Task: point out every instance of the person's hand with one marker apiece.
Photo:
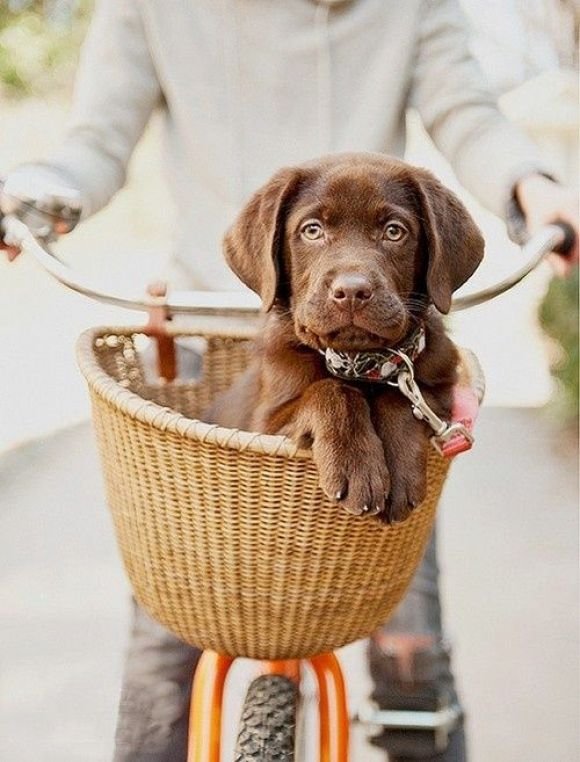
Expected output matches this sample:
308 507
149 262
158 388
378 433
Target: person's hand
11 251
544 202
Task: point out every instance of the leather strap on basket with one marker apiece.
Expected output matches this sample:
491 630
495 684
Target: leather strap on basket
156 328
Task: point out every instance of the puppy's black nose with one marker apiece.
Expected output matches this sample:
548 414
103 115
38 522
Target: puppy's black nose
351 291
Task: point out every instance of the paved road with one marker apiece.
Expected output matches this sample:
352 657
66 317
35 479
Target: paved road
509 542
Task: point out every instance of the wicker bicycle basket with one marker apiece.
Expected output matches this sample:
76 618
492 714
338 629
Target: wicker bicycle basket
225 535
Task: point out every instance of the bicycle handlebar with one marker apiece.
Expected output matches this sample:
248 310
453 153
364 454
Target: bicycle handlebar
219 303
556 237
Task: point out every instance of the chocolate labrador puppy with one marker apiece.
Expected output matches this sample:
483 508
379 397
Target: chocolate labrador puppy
352 253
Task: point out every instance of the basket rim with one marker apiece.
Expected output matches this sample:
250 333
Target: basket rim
164 418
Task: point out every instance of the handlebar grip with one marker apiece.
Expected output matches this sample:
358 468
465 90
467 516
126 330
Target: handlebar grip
569 238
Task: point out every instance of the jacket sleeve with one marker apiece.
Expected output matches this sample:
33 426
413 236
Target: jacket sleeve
489 153
115 92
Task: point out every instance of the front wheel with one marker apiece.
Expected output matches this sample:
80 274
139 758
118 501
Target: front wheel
268 723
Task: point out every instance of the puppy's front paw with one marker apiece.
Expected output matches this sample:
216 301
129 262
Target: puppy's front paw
354 474
408 490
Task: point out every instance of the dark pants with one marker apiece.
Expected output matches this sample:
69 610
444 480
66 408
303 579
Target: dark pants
424 681
153 711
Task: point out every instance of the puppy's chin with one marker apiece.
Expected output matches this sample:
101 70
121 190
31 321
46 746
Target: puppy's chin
350 338
320 324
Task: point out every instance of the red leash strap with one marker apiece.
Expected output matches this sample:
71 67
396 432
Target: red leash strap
464 412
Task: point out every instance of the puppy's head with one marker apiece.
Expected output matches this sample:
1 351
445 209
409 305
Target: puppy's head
356 246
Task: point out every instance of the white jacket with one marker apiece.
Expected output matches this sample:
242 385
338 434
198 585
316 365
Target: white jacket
247 86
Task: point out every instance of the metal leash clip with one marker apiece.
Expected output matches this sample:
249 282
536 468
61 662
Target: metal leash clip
448 438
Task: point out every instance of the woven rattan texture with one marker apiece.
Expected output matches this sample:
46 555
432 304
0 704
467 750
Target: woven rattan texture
226 537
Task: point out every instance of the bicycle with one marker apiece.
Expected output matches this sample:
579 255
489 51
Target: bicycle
189 547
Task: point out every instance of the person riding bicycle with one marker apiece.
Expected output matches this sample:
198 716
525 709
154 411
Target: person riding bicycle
244 88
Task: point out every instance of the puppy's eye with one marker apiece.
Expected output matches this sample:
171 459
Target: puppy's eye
393 231
312 230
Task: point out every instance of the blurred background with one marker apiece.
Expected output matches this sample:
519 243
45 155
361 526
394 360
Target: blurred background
509 531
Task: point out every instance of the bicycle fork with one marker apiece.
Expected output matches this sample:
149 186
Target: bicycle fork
205 724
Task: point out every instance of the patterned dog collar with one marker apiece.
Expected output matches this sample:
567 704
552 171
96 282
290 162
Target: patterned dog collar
375 366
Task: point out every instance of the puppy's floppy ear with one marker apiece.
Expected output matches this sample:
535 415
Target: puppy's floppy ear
253 245
454 243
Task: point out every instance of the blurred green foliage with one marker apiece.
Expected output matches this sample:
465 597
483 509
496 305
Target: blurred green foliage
559 317
39 43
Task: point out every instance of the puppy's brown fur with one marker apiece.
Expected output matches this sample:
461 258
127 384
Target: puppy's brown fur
350 251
